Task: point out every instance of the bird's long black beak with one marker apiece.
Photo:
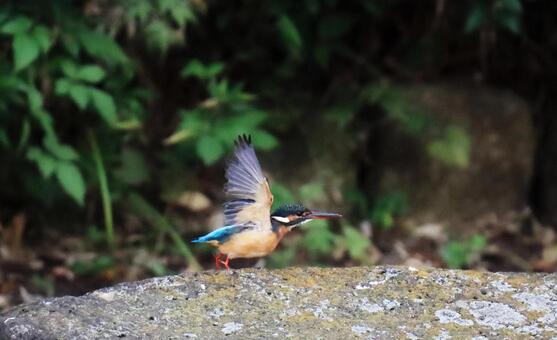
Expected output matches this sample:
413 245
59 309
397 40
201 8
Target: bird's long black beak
323 215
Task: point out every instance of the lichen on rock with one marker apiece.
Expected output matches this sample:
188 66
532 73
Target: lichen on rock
377 302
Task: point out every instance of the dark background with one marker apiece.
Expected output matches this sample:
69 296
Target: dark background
430 125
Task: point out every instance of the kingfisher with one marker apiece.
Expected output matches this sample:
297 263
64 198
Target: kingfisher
251 230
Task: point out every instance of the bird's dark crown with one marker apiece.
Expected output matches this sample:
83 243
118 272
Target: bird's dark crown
289 209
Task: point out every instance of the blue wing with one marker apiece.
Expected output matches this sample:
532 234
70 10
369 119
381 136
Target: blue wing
222 234
247 189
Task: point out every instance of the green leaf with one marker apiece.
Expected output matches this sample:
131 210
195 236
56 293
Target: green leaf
41 34
93 266
61 151
264 140
159 36
386 207
508 20
289 34
90 73
80 95
477 242
318 239
179 10
453 148
477 17
458 254
249 119
45 120
196 69
193 69
26 50
16 26
139 10
219 90
192 124
104 103
69 68
214 69
128 124
194 121
71 181
45 162
454 254
356 243
34 98
209 149
227 129
101 46
62 86
25 133
134 169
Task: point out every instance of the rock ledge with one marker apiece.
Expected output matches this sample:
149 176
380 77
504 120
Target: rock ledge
378 302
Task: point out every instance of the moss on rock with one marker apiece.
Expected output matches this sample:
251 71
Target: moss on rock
378 302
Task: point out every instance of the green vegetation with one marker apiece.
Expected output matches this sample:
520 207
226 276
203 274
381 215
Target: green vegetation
111 111
459 254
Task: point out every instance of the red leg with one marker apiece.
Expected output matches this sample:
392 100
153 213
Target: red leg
217 261
225 262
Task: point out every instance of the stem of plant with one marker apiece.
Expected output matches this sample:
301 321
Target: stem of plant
105 191
142 208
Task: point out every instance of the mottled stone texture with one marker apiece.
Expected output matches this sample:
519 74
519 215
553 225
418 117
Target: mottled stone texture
376 303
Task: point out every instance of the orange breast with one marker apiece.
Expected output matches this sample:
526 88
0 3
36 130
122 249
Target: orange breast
253 243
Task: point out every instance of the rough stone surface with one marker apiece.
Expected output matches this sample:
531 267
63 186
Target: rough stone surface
374 303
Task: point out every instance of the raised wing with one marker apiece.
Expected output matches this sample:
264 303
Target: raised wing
247 189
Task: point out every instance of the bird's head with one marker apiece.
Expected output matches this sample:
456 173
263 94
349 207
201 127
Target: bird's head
294 214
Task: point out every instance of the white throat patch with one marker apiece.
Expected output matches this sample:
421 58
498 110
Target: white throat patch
281 219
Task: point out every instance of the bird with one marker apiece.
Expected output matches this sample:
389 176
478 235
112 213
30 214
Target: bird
250 229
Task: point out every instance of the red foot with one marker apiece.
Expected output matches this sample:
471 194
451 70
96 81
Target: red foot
218 261
225 262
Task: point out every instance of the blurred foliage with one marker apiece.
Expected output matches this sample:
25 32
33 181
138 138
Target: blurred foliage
219 119
386 207
115 103
44 285
505 14
92 266
459 254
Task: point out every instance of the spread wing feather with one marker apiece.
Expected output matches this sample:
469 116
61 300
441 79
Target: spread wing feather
247 189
